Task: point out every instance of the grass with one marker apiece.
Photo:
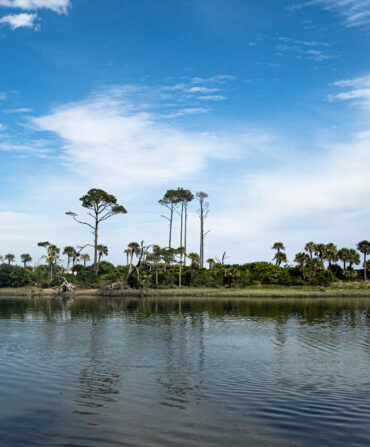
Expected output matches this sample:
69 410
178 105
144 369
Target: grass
337 290
250 292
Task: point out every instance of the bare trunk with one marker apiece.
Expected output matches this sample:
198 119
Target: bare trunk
181 241
201 254
132 257
171 222
68 262
96 244
185 230
156 277
365 267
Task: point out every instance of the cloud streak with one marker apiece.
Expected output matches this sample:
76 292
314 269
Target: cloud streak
59 6
354 12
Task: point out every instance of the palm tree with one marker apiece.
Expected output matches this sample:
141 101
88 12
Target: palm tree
102 251
52 257
85 257
155 258
134 248
364 248
313 266
127 252
279 246
9 257
1 260
353 258
343 255
69 251
25 259
211 262
195 260
75 258
319 251
331 253
310 248
169 256
302 259
280 257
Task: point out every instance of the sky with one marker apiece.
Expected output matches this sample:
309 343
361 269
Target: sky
263 104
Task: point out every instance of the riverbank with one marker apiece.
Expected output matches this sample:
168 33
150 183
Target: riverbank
339 290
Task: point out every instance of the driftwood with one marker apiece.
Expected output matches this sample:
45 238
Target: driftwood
65 287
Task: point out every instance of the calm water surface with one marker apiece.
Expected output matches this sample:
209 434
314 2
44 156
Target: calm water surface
191 373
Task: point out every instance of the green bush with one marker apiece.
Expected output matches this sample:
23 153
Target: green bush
14 276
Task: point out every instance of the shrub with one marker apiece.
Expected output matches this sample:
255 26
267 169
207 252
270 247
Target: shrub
13 276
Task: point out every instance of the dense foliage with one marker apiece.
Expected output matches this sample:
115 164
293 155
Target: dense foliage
218 276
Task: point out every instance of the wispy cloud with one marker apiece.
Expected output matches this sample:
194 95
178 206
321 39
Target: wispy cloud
353 12
104 135
18 110
22 20
187 111
59 6
200 89
212 98
302 49
355 89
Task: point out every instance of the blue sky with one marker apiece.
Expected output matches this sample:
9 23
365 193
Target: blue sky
263 104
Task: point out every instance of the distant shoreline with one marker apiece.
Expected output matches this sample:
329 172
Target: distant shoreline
250 292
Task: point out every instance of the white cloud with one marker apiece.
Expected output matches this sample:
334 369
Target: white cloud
23 20
59 6
113 141
353 12
357 89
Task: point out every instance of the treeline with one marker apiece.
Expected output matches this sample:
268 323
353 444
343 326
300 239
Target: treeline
155 266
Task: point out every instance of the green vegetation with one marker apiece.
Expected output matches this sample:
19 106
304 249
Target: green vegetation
161 268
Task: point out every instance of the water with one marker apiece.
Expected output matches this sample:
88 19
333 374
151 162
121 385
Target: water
118 372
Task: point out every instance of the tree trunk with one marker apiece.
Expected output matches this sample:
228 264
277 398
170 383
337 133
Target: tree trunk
171 223
96 245
365 267
132 257
185 229
201 254
156 277
180 273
